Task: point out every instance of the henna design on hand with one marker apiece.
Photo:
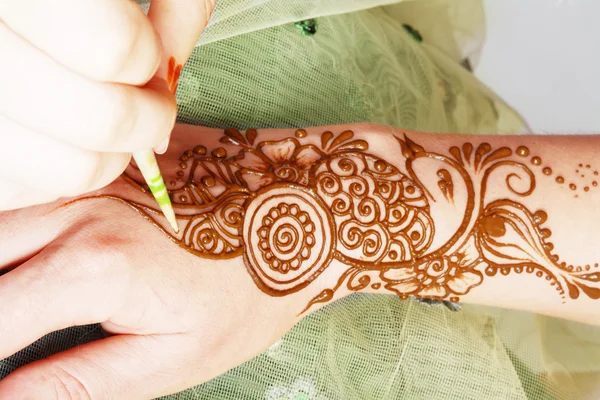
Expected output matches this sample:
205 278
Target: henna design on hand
290 207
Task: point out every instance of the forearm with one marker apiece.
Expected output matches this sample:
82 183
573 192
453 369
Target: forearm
531 203
371 208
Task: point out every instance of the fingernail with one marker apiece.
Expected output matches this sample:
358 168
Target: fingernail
173 74
162 148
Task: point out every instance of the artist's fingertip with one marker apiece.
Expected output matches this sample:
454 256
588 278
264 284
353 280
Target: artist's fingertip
162 148
110 167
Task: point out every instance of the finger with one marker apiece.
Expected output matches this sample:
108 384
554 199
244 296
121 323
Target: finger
87 114
15 195
179 24
56 289
118 367
39 162
107 40
24 232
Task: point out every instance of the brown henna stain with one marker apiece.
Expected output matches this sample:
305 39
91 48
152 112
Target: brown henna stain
289 208
594 184
523 151
173 74
493 226
573 186
445 184
199 150
547 171
536 161
251 136
300 133
586 189
467 149
560 179
219 152
482 150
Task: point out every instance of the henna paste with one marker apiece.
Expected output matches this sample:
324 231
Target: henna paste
290 207
522 151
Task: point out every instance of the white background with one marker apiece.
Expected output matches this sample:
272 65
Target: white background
543 58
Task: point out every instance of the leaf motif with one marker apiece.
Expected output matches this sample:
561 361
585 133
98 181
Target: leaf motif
406 151
409 148
251 135
233 136
325 138
341 138
573 290
510 236
445 184
593 293
416 148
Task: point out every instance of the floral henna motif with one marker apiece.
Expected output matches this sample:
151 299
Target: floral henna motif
290 207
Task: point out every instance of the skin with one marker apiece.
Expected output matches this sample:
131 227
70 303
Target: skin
179 319
111 65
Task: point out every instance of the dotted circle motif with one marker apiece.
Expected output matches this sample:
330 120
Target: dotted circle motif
289 237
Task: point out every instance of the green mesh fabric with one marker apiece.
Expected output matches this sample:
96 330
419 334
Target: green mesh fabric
360 66
254 67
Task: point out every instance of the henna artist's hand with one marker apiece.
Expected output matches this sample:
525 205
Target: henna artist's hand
82 85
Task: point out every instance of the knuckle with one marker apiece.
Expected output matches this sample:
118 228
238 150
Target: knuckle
118 112
119 48
83 174
103 258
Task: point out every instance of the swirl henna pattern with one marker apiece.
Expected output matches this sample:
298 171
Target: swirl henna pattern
290 208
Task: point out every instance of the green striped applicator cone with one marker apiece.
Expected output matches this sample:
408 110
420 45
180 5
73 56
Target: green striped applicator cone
146 162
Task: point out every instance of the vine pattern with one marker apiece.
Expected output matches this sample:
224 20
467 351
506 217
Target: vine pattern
290 207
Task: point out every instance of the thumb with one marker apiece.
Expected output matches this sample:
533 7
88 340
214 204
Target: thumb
179 23
119 367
